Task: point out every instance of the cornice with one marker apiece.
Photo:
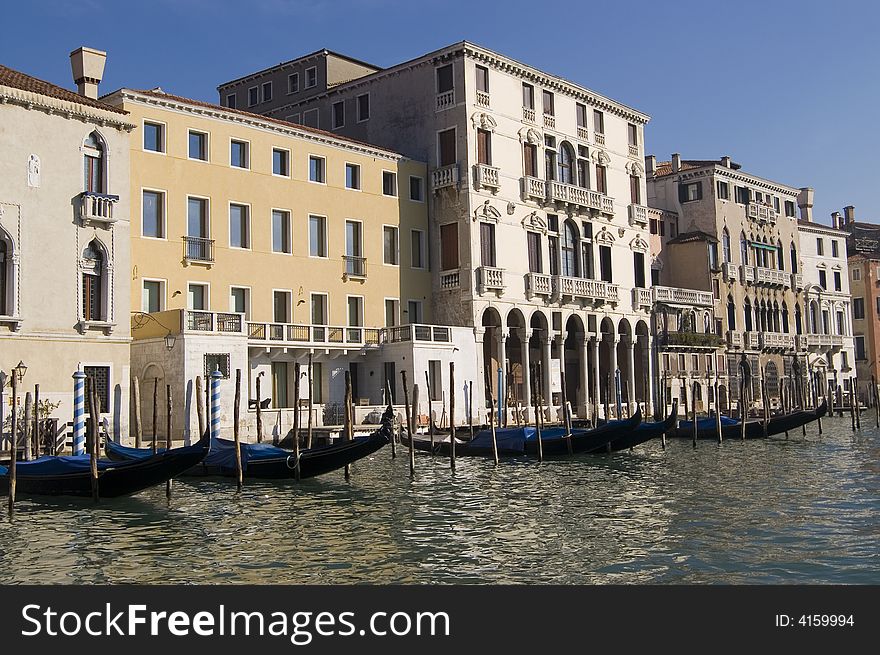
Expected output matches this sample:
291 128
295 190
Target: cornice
55 106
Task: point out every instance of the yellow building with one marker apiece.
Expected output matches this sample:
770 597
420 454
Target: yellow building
256 242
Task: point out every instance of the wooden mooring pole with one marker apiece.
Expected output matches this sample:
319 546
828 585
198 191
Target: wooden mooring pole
36 435
452 415
94 414
852 407
538 417
389 399
28 424
743 409
310 418
138 424
765 401
13 443
428 391
491 419
155 414
876 401
471 407
259 410
694 407
718 412
566 419
409 426
200 405
168 426
855 384
347 427
236 431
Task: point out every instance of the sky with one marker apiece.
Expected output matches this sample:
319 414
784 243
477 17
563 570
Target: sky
787 89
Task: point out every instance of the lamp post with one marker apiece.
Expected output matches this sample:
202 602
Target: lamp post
4 377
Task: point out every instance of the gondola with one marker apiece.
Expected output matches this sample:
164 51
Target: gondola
519 441
732 429
646 431
270 462
71 476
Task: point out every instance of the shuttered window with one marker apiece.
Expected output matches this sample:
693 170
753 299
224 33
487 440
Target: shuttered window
449 246
534 245
487 244
446 148
530 160
484 147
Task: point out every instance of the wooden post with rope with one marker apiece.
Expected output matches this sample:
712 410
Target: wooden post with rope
452 415
236 435
169 414
200 405
409 426
138 425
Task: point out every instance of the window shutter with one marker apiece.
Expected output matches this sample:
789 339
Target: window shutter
682 193
699 190
449 246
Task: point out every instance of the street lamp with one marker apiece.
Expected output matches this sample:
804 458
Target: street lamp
20 371
170 340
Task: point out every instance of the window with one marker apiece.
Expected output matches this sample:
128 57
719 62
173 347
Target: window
317 236
570 250
601 182
153 296
484 147
100 377
153 215
639 269
230 101
319 315
823 280
253 96
363 107
238 154
267 91
820 246
416 189
857 274
239 226
93 266
354 249
565 170
198 145
293 83
487 244
553 254
281 231
240 300
445 80
355 311
279 371
417 256
776 204
690 192
338 114
197 296
293 118
414 311
482 79
528 92
789 208
316 169
311 118
834 248
794 260
352 176
583 167
878 305
217 362
741 195
858 307
281 306
390 246
598 122
581 115
317 390
530 159
154 137
635 190
725 246
392 312
533 241
837 281
859 342
197 218
389 183
723 190
280 162
605 263
547 101
448 246
632 134
446 155
311 77
844 360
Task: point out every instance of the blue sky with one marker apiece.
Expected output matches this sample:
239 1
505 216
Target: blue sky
788 89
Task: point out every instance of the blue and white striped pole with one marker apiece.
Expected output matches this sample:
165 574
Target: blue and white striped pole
216 376
79 413
618 387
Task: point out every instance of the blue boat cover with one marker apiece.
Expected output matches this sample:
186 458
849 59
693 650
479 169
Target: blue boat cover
52 466
222 454
708 423
508 439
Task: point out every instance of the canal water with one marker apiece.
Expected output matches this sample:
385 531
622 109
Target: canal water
802 510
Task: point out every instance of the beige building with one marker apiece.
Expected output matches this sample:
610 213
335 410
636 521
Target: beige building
258 242
64 238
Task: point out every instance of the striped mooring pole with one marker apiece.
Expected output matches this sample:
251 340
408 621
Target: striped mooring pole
79 413
216 376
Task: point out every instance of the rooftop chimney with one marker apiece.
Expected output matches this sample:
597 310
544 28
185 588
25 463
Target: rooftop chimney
650 164
835 220
849 213
676 162
805 202
725 161
87 65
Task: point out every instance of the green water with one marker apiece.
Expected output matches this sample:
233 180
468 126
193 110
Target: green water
802 510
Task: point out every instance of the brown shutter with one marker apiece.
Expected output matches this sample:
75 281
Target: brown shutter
487 244
449 246
447 147
529 163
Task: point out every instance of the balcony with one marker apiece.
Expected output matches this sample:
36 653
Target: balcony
445 100
450 280
734 339
534 189
578 197
309 336
797 281
678 296
751 341
529 115
97 208
820 341
198 250
355 267
583 133
765 276
483 99
416 332
641 299
204 321
538 284
487 177
761 213
445 176
729 271
550 121
583 289
638 215
599 139
689 340
776 341
633 150
490 278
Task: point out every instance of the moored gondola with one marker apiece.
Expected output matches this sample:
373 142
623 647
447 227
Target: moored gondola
646 431
754 429
71 476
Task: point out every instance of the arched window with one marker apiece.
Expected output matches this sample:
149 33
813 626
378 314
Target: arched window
798 327
92 282
731 313
725 246
93 164
747 314
780 258
814 319
565 164
4 276
784 317
743 249
775 316
794 267
570 249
